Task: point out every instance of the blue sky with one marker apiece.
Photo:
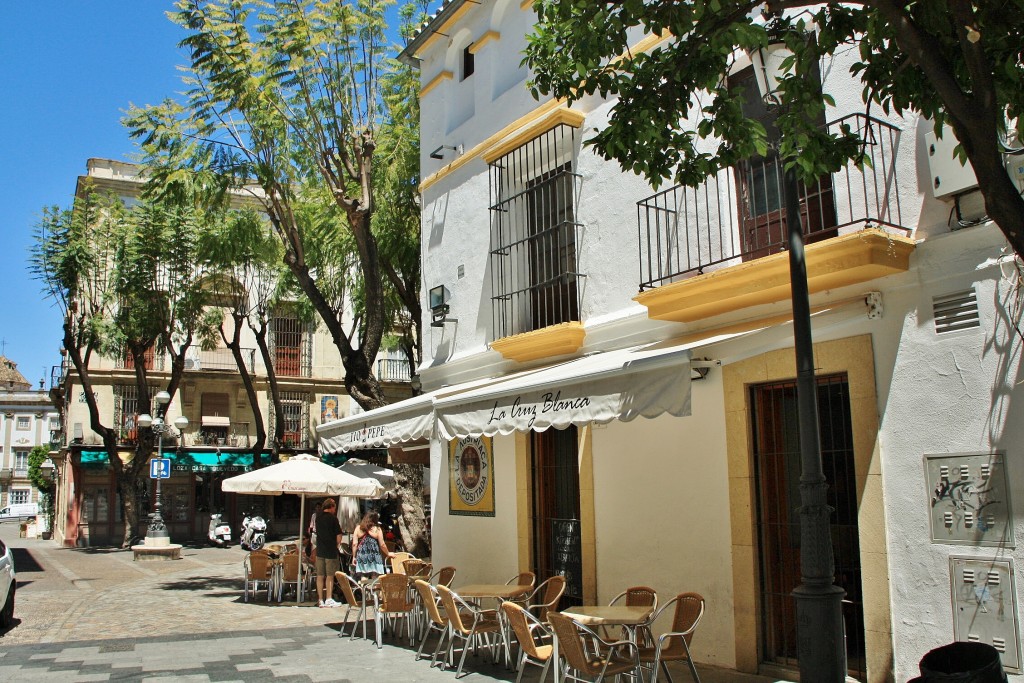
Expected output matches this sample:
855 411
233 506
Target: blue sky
69 70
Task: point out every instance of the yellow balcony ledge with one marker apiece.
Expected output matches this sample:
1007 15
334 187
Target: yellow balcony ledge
556 340
837 262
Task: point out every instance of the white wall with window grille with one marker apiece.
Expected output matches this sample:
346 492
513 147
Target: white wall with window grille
534 192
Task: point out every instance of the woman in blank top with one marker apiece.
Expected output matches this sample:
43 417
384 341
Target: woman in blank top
368 548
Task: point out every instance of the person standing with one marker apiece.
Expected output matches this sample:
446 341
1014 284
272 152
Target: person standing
328 558
369 551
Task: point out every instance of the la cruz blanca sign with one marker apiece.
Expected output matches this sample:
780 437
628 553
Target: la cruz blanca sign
550 406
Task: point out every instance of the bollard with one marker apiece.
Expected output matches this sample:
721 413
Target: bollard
962 663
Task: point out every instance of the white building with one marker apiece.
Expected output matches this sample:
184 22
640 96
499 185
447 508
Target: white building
27 420
530 249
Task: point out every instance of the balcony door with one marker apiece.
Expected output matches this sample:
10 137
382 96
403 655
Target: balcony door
759 182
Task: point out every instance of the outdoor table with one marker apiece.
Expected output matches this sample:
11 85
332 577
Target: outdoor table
606 615
499 592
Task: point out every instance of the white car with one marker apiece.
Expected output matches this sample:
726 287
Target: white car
8 583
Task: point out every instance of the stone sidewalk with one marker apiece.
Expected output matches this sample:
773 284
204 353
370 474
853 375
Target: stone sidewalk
96 615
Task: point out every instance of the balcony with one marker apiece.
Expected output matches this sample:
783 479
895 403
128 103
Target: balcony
393 370
237 436
219 359
719 247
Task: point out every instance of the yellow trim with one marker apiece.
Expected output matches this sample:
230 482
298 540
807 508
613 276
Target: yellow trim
526 4
568 117
524 501
483 40
854 357
435 81
554 340
441 30
837 262
489 142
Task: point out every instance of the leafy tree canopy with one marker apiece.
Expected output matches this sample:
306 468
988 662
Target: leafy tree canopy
952 61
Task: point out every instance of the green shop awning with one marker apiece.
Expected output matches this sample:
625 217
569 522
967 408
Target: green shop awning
188 461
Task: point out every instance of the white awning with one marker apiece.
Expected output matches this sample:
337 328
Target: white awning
216 421
615 385
406 420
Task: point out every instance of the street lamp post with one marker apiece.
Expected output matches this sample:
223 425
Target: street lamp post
157 532
821 642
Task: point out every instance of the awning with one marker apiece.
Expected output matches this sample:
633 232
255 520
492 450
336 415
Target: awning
187 461
408 420
216 421
615 385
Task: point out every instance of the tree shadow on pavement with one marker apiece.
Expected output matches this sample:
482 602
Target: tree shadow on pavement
201 584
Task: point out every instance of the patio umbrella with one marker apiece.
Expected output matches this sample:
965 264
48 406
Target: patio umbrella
303 475
366 470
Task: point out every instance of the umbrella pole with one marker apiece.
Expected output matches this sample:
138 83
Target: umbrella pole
302 519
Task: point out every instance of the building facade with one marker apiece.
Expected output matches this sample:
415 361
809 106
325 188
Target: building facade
610 374
221 431
28 420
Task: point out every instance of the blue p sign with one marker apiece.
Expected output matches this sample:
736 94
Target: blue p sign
160 468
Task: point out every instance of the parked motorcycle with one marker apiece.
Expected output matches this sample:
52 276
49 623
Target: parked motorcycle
254 532
220 531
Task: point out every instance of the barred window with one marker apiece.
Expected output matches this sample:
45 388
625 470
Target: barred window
126 410
291 344
534 270
295 406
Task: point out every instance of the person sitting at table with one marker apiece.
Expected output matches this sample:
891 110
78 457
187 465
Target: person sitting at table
368 548
328 558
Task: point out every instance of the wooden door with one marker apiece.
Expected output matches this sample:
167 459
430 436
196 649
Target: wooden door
557 539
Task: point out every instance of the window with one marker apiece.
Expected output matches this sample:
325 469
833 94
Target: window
20 496
54 424
24 423
760 187
468 63
295 406
126 409
21 463
534 271
291 346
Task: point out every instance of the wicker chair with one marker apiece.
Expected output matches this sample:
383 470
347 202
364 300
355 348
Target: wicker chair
398 561
523 579
290 575
443 577
257 568
349 586
481 624
391 601
637 596
532 648
581 652
545 597
436 621
674 645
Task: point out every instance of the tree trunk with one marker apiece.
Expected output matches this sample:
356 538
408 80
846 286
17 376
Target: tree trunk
412 519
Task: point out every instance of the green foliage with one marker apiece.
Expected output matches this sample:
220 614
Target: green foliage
36 457
676 119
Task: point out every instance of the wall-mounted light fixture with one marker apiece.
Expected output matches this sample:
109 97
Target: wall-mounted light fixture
438 301
439 152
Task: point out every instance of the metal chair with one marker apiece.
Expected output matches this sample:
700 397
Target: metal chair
443 577
289 574
523 579
398 561
581 652
482 624
674 645
349 586
436 621
637 596
532 648
544 597
257 568
391 601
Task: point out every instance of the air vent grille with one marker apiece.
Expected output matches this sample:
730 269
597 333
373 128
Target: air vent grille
958 311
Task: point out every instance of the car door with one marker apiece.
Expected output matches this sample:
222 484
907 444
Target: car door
6 573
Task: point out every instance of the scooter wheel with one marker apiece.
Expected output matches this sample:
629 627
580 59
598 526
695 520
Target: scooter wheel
256 544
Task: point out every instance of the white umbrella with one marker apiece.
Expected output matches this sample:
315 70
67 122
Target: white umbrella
304 475
366 470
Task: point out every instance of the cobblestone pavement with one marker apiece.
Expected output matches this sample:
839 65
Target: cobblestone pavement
96 615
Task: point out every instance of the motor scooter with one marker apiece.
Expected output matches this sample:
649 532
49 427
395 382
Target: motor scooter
254 532
220 532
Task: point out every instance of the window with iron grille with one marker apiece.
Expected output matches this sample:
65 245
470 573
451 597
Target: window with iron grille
291 345
295 406
534 273
126 409
151 359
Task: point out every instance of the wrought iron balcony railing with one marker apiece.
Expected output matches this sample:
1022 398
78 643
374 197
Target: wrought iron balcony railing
219 359
737 214
393 370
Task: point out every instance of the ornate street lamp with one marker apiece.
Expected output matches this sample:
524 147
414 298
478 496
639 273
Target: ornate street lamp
821 642
157 529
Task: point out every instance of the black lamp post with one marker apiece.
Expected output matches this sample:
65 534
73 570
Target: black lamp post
821 642
157 532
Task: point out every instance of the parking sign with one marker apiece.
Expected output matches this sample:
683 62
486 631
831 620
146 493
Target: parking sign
160 468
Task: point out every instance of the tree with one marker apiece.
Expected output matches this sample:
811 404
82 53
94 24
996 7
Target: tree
955 62
42 481
288 93
128 281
